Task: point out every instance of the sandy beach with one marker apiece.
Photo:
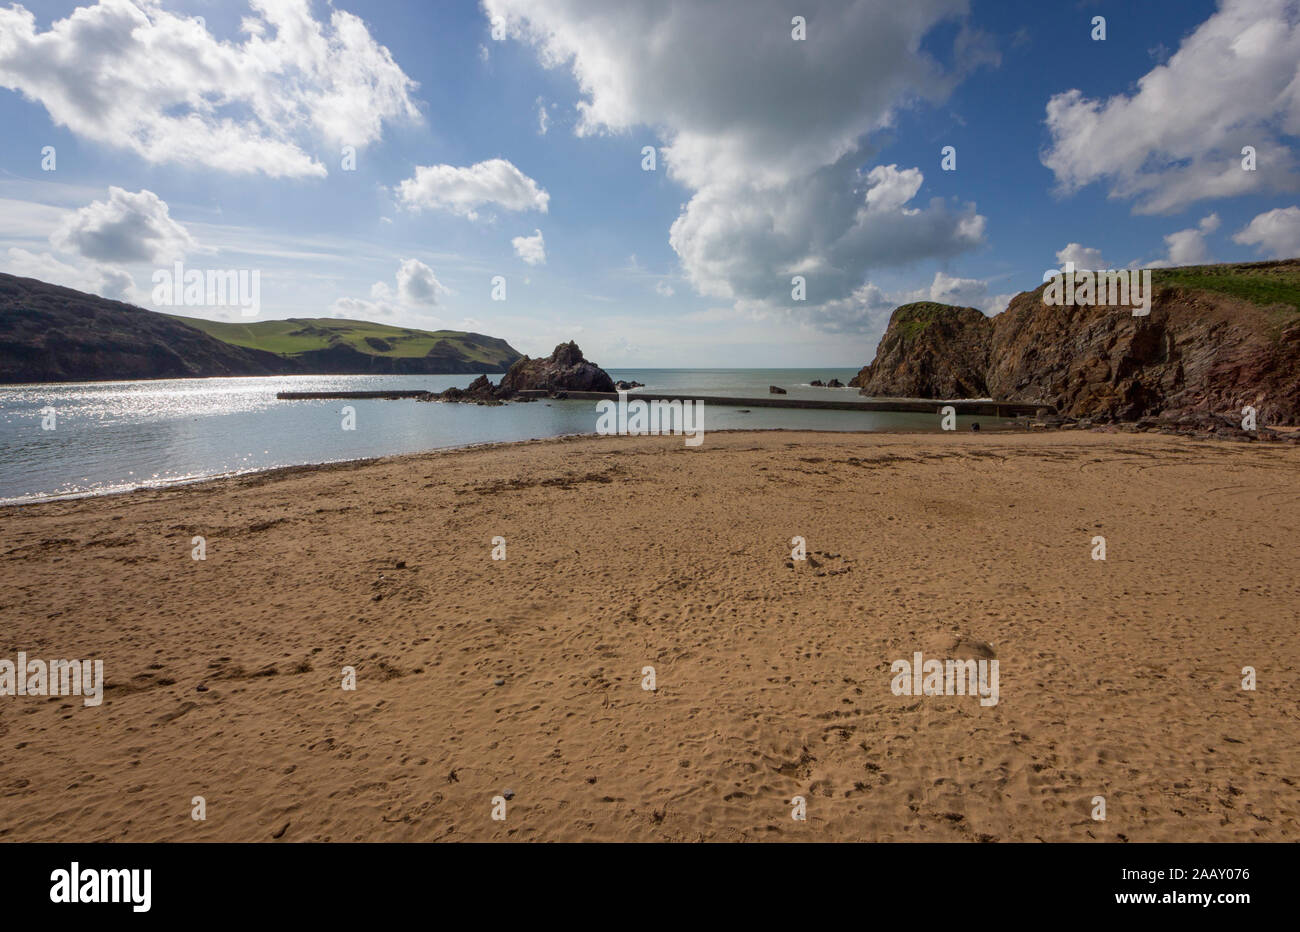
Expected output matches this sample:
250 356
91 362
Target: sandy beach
1119 678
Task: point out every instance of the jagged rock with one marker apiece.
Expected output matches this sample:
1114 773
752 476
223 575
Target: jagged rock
623 386
834 383
480 390
817 383
773 390
564 370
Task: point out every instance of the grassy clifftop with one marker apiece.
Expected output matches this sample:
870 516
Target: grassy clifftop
1262 283
298 335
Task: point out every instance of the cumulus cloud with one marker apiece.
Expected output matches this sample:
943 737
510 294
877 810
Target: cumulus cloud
106 281
965 292
1188 247
463 191
1275 234
747 242
1083 257
416 284
532 249
768 134
866 310
135 76
360 309
126 228
417 288
1177 139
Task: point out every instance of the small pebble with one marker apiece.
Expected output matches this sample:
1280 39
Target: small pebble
201 688
499 681
508 794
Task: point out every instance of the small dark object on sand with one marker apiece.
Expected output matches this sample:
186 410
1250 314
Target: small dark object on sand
975 426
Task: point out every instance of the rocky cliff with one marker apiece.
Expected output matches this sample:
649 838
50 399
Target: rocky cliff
1218 338
930 351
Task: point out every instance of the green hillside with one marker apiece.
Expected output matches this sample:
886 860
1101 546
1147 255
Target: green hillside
298 335
1262 283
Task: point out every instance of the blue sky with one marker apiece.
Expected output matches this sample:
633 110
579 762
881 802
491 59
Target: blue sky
218 142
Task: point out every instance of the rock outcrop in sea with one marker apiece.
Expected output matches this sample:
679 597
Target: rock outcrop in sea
565 370
1217 339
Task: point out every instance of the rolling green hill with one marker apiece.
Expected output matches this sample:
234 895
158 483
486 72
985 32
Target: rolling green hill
54 334
298 335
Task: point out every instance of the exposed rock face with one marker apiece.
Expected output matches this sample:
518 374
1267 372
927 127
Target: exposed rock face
775 390
565 370
481 390
930 351
1197 351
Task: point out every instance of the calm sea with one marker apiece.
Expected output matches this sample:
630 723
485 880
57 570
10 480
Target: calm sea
116 436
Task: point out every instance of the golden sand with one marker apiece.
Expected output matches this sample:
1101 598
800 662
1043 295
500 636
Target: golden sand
1119 678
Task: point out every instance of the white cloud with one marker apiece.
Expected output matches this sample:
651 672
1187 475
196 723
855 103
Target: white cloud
106 281
1188 247
664 289
417 289
890 188
1275 234
1083 257
867 309
463 190
532 249
1234 81
156 83
360 309
126 228
767 133
543 118
964 292
417 285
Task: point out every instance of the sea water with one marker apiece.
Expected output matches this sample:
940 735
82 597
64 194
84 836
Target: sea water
116 436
